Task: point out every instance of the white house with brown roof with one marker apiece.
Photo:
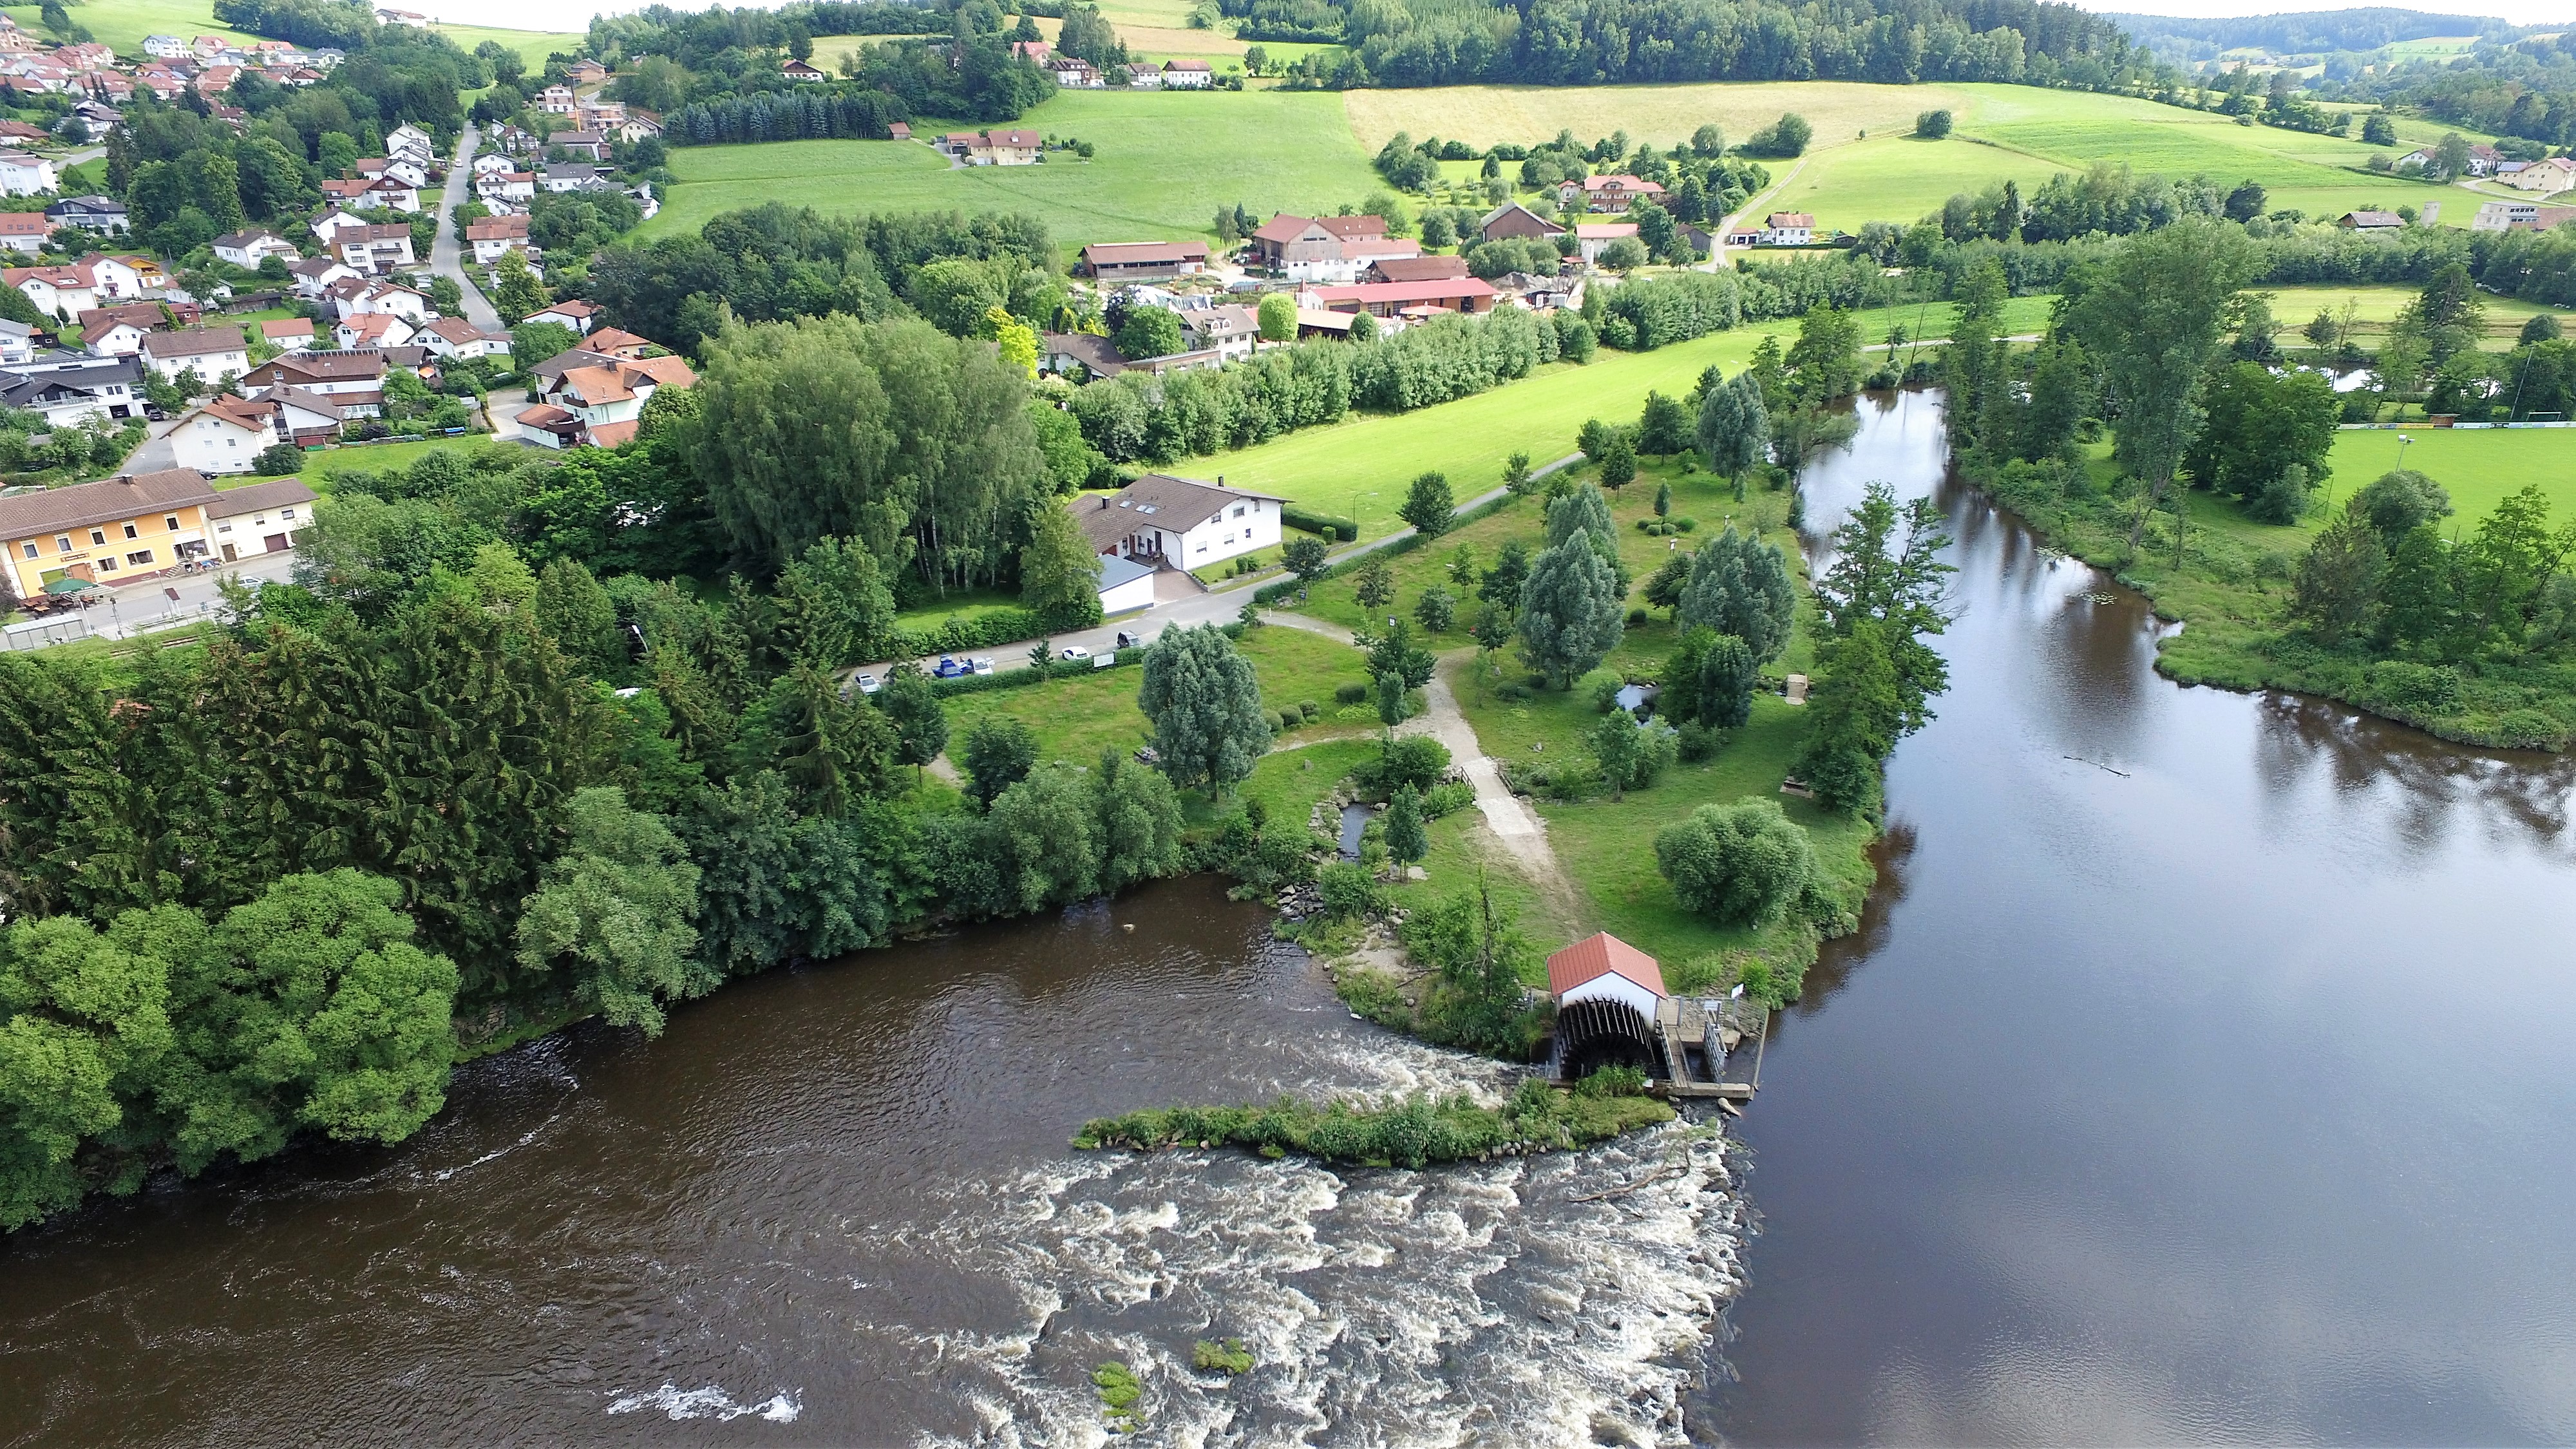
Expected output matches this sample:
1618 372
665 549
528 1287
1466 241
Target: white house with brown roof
25 175
1789 228
1187 75
354 381
224 436
1180 521
494 237
372 329
598 404
456 337
288 334
24 231
211 352
1592 238
374 247
993 148
246 249
576 315
1606 193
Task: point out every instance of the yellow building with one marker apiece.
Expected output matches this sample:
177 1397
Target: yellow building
109 532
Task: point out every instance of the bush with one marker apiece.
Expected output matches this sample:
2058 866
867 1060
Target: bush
1290 719
278 459
1309 709
1601 688
1415 760
2422 691
1330 525
1444 799
1346 890
1739 864
1697 742
1350 694
1227 1357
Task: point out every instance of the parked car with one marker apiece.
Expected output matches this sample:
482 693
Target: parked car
156 414
980 664
1127 640
948 667
1076 651
868 684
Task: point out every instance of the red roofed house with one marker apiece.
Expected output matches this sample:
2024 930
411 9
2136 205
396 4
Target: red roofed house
1325 248
494 237
993 148
576 315
1606 193
24 231
1187 75
1606 994
598 405
1128 261
1392 299
1415 269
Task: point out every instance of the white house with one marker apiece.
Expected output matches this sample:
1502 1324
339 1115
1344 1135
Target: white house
113 336
1790 228
1179 521
456 337
289 334
107 388
211 351
314 276
494 237
25 175
258 518
246 249
576 315
492 163
1592 238
354 381
598 404
56 291
411 141
164 47
17 344
303 417
373 329
224 436
1125 585
334 220
375 248
1187 75
90 213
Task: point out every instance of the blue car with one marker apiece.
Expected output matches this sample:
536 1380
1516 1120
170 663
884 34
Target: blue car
950 668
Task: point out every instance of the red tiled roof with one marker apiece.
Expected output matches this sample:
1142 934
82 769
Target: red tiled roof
1602 955
1397 292
1144 254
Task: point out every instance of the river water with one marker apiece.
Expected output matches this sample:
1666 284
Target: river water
2199 1072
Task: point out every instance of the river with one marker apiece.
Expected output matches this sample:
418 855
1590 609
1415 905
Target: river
2198 1073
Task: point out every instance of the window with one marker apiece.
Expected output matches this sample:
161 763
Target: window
107 563
62 543
139 557
132 532
1238 510
286 513
30 548
98 538
223 528
171 523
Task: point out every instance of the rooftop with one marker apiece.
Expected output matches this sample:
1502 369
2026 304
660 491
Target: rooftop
1602 955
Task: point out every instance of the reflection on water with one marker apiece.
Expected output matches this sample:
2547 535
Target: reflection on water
2205 1077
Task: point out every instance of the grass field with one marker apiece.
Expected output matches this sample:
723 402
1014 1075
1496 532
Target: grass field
1155 174
533 46
2379 306
1663 114
122 24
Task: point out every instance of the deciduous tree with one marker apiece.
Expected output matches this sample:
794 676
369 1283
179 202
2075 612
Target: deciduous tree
1205 704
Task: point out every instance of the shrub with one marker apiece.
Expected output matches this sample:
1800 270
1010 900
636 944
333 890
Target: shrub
2420 690
1697 742
1415 760
1601 687
1636 618
1330 525
1453 796
1350 693
1227 1357
1739 864
1612 1082
1346 890
1309 709
1290 719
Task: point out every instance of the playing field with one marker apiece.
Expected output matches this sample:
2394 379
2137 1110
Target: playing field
1164 164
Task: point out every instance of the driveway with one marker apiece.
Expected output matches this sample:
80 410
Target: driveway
138 607
156 452
446 254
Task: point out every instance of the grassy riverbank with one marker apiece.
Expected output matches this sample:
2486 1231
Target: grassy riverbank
2229 582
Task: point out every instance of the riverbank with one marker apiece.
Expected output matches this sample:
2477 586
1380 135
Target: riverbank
1412 1133
2228 581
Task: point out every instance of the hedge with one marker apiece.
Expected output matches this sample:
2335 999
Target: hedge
1059 669
980 631
1330 525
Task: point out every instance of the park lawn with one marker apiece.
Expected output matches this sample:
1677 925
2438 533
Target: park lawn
1287 782
1165 162
1083 712
1360 467
383 457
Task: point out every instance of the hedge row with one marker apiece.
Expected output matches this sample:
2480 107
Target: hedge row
1059 669
980 631
1330 525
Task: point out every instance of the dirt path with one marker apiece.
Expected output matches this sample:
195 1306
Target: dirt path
1516 827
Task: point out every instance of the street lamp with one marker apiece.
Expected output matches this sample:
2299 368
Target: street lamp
2402 441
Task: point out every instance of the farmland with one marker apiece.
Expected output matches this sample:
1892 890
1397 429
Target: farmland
1151 177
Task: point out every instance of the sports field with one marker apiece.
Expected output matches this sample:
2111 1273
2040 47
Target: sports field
1164 164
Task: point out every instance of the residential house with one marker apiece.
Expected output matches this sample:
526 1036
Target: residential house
353 381
247 249
410 142
1187 75
372 329
211 352
565 176
314 276
405 169
606 117
556 101
456 337
333 221
164 47
224 436
1789 229
300 416
1135 261
2555 174
493 237
375 248
127 527
25 175
359 296
576 315
24 231
496 188
598 405
17 344
2520 216
1182 522
1406 299
1144 78
579 145
1415 269
105 334
487 162
638 126
1592 238
1605 193
1076 74
77 391
585 72
993 148
2371 221
103 214
289 334
1079 355
803 74
1511 219
258 518
57 291
1035 52
1125 585
612 342
1231 330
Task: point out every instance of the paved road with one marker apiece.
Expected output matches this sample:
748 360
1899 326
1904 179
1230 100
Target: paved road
446 254
156 453
138 607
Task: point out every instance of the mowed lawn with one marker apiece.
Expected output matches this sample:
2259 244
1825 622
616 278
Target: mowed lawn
2375 307
533 46
1898 177
1163 165
1663 114
122 24
1361 467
